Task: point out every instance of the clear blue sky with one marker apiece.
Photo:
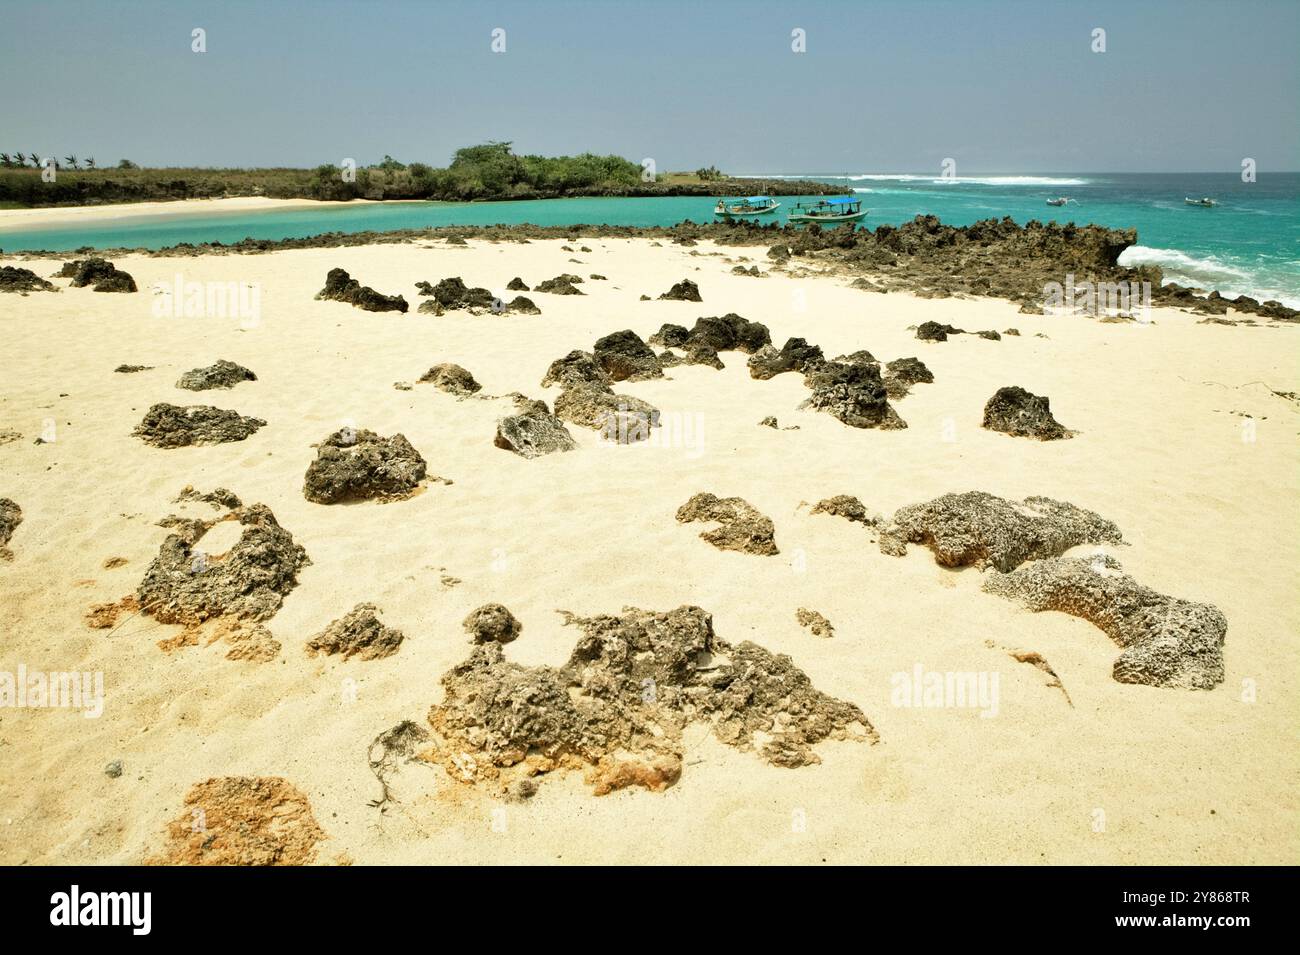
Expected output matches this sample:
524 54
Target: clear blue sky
999 85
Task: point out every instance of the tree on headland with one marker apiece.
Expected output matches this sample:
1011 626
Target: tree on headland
6 160
90 162
71 161
35 160
709 173
126 164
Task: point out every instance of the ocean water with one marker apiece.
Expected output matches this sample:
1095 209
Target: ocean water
1249 243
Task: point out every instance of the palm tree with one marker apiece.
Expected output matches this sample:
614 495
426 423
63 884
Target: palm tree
90 162
6 160
20 159
35 159
71 161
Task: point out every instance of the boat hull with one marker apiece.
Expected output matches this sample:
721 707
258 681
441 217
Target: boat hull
804 217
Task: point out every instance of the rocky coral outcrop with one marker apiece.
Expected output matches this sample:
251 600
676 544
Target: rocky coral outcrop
936 332
452 293
1014 411
616 709
220 374
359 633
533 431
492 623
175 426
100 274
11 515
902 373
22 281
523 305
683 291
185 584
341 287
452 379
621 419
853 394
669 336
623 356
576 368
741 526
247 821
565 284
980 529
517 284
846 506
729 332
219 498
814 622
795 355
1167 641
354 465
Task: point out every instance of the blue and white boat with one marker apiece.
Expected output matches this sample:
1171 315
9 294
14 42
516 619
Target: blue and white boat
839 209
742 208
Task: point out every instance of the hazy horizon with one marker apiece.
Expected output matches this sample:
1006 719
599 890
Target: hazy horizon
889 87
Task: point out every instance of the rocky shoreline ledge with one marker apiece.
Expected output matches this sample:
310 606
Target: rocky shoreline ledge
993 257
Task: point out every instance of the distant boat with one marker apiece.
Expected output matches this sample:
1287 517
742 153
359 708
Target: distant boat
1204 201
839 209
741 208
1059 201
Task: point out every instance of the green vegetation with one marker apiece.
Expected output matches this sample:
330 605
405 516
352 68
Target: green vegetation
489 171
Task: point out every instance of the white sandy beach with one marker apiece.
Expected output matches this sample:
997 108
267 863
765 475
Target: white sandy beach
1127 774
36 218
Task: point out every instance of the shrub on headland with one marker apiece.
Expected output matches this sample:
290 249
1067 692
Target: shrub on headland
487 171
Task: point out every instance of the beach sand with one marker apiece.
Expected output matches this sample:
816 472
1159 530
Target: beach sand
52 216
1127 774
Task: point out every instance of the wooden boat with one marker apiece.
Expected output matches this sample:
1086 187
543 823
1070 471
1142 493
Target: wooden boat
839 209
743 208
1059 201
1204 201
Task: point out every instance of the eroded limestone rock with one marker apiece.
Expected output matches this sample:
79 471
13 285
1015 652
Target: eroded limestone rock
617 707
741 526
1167 641
985 530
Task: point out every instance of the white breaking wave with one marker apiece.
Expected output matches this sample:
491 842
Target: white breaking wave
957 180
1206 269
1208 272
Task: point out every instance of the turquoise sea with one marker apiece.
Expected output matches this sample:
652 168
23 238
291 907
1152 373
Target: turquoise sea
1249 243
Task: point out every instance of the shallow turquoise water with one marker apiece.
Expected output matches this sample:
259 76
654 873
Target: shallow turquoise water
1250 243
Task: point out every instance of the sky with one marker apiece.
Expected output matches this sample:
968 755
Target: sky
883 86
